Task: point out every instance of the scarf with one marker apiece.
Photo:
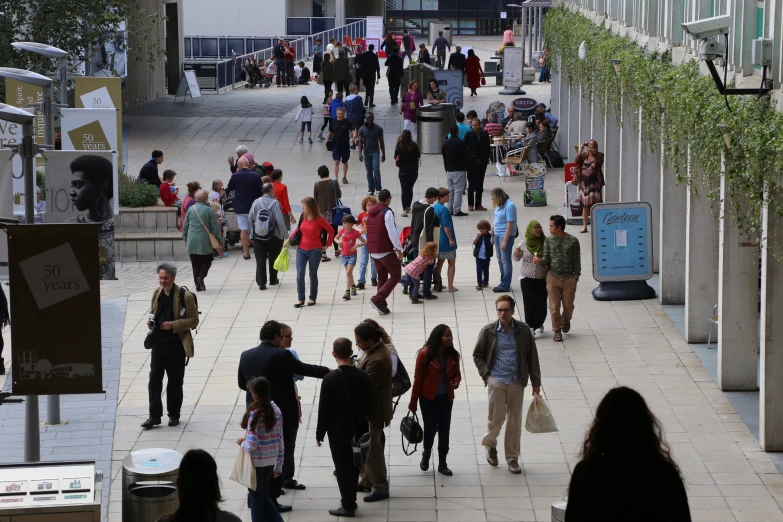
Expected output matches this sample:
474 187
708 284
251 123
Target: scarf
534 243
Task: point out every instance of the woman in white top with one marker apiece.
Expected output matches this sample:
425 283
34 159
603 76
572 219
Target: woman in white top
532 276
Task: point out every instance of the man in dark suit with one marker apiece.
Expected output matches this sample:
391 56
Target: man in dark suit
457 59
279 367
479 151
343 410
368 70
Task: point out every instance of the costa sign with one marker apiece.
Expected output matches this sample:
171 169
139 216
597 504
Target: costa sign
524 104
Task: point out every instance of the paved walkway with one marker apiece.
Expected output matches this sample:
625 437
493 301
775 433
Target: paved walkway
630 343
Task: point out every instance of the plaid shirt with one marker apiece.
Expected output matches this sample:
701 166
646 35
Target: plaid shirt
506 366
417 266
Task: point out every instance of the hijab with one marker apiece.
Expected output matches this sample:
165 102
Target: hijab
534 243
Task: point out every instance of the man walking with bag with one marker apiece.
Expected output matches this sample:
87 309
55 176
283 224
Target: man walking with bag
344 406
269 231
506 357
171 343
383 243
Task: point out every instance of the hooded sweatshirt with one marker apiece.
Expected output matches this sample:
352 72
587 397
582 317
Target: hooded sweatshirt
355 107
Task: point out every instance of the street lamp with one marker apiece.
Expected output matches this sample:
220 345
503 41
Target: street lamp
618 65
45 107
512 6
725 133
50 52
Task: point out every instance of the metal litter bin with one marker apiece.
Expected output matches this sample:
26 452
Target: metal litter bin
558 510
149 484
433 122
426 73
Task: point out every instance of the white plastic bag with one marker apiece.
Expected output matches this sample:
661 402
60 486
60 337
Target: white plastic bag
243 471
539 417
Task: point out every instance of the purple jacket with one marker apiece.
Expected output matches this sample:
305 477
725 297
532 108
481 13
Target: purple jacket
409 113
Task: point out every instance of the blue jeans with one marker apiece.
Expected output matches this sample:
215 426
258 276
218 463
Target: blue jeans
414 284
372 164
364 257
482 270
281 75
303 257
409 54
504 262
262 509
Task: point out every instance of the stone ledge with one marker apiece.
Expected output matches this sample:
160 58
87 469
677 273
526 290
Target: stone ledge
148 236
160 207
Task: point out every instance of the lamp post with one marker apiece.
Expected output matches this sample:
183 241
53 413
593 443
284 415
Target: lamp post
513 17
51 52
618 65
27 150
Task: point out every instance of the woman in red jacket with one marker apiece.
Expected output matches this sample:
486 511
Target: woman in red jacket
309 249
474 72
436 377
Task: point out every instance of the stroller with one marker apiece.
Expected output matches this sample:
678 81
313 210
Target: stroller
231 236
254 75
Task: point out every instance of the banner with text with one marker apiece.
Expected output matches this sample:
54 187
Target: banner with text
102 93
6 204
81 188
19 94
622 241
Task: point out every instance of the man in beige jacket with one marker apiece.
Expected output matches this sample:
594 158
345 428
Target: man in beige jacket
506 357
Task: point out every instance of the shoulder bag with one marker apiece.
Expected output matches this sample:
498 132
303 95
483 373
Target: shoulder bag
411 432
435 231
401 383
360 447
295 239
212 239
339 210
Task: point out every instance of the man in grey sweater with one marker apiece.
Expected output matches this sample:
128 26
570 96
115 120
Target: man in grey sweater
268 231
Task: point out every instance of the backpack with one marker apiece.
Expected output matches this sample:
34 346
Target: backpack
182 290
265 224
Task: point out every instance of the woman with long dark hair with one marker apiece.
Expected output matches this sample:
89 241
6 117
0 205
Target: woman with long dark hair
436 377
407 156
198 489
590 164
264 441
327 73
627 471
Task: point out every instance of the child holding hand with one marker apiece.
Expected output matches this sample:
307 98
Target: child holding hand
351 239
414 269
482 251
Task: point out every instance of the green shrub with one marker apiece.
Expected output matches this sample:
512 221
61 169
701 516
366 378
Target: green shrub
135 193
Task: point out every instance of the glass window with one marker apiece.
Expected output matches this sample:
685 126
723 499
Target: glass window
448 4
467 5
413 5
429 5
394 23
467 31
467 24
393 5
412 23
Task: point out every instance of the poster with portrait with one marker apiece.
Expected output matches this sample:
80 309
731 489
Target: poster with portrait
80 188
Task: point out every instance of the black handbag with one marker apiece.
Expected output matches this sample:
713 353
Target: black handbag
296 238
361 446
411 432
330 145
401 383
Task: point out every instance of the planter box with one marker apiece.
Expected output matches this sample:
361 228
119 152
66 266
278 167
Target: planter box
148 234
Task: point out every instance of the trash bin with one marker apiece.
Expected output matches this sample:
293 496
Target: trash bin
558 510
426 73
149 484
433 122
434 27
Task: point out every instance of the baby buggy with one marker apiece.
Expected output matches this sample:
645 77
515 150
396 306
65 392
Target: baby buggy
254 75
231 236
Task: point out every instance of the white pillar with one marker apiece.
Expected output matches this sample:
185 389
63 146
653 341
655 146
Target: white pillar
771 385
573 122
585 116
629 154
649 187
555 102
564 105
597 122
738 327
611 148
673 233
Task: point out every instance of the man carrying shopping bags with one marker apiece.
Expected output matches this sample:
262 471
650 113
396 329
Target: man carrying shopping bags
506 357
269 231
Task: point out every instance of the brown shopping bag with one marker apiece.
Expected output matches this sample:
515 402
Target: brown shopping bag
243 471
539 417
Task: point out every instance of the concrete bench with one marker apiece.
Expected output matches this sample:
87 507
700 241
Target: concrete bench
148 234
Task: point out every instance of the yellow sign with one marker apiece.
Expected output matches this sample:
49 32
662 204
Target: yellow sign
89 137
94 92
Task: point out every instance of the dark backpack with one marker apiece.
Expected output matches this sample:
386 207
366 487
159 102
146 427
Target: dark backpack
182 290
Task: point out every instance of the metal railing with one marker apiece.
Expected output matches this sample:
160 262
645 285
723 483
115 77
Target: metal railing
218 75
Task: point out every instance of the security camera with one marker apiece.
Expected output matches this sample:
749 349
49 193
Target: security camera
709 27
711 49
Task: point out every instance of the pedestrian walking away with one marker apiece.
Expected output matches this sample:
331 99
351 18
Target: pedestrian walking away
532 277
344 405
278 366
408 46
372 151
394 72
407 156
200 231
506 358
281 194
474 72
383 242
355 110
370 73
479 152
447 246
327 75
455 158
457 59
269 232
174 313
247 187
342 72
439 48
264 440
350 238
504 230
310 249
424 229
561 258
327 113
377 362
436 377
364 253
305 112
483 245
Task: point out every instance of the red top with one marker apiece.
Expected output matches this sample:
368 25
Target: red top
281 193
311 232
348 240
427 380
290 54
494 129
166 195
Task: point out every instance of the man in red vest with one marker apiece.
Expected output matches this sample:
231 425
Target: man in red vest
383 243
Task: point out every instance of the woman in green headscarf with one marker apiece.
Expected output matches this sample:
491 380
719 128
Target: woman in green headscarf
532 277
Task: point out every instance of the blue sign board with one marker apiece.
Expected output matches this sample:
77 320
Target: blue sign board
622 241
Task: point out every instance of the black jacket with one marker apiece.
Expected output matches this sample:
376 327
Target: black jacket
455 155
457 61
487 239
421 213
149 173
334 413
408 160
279 366
395 67
369 67
479 149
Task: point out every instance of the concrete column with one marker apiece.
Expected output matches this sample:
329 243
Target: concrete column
771 385
563 105
649 188
738 330
585 116
701 265
629 154
611 148
554 98
673 229
597 123
573 122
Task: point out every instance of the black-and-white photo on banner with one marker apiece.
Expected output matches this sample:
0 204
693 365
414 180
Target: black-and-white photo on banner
80 189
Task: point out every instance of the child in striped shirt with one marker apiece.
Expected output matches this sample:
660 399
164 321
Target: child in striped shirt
264 441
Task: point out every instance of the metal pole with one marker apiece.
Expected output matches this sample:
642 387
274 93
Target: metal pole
523 23
540 29
46 110
530 35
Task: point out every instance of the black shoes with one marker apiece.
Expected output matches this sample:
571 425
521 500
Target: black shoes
292 484
151 423
460 214
360 286
262 287
374 282
499 290
200 284
428 297
342 512
173 421
443 468
283 508
424 465
375 497
2 366
274 282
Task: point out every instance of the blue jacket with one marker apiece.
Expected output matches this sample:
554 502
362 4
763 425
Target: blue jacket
333 106
247 186
355 108
487 246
